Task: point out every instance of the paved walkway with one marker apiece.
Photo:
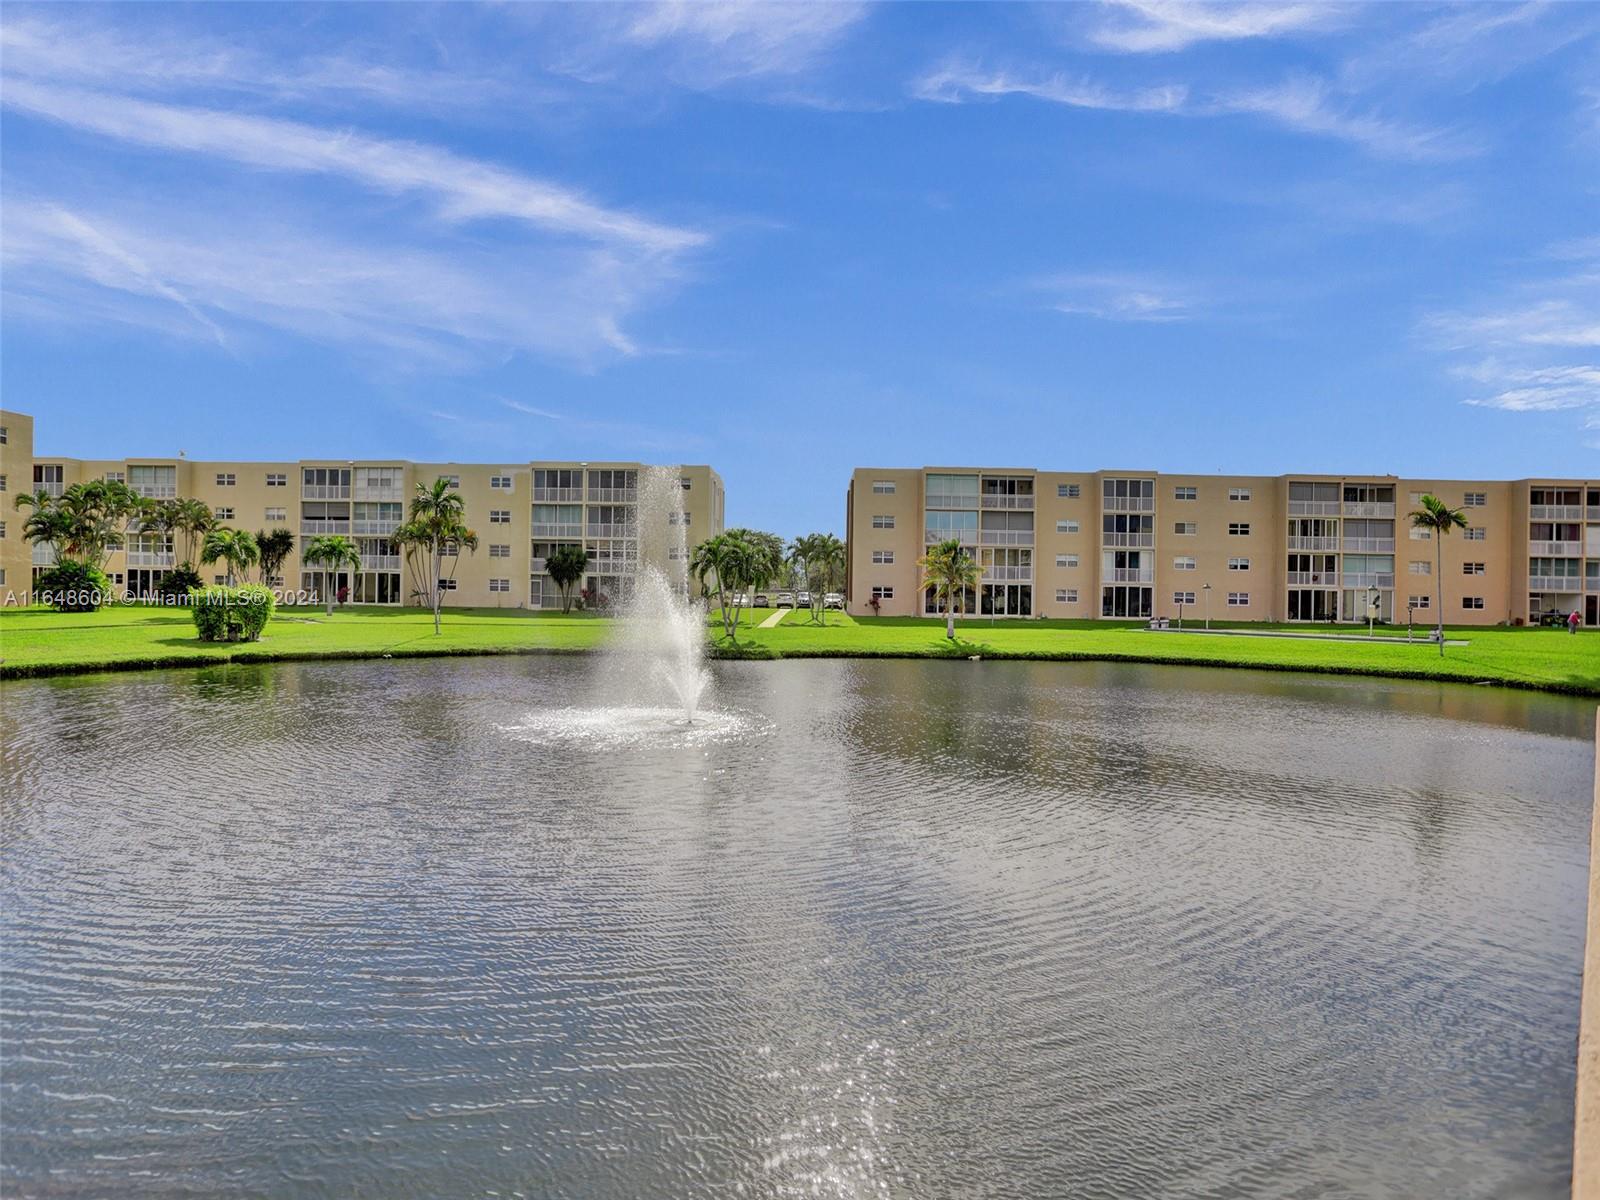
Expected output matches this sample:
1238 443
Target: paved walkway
774 618
1315 637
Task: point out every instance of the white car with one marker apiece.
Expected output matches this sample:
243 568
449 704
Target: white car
833 600
804 599
784 600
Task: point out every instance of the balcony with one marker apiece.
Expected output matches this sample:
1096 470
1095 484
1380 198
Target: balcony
616 529
1128 504
612 566
156 491
1556 549
1006 537
1328 579
1369 508
379 493
1594 512
1592 583
53 488
623 495
314 527
1004 574
150 558
1130 575
558 532
1555 583
1313 543
1012 502
947 500
1365 579
1314 508
537 566
557 495
1368 545
380 562
376 528
325 491
1131 541
44 554
1555 512
932 537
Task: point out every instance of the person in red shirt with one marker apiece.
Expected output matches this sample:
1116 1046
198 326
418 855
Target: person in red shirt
1572 622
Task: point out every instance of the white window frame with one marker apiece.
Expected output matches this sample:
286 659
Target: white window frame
1238 528
1184 562
1186 493
1238 599
883 520
1238 564
883 558
883 487
1185 528
1067 527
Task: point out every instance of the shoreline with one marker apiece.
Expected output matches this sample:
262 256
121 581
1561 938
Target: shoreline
755 653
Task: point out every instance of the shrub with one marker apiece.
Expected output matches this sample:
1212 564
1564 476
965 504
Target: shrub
73 586
179 582
225 614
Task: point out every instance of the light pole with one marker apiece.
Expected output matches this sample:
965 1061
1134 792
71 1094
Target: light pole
1372 606
1410 605
1180 614
1207 590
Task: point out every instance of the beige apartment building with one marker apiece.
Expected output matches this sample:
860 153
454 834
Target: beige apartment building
520 511
1138 544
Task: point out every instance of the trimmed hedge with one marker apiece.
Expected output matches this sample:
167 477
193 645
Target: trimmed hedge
73 586
225 614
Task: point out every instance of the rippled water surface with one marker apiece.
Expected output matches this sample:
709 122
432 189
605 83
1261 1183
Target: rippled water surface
872 929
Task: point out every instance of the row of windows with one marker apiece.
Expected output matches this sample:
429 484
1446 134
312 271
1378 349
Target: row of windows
1187 563
1235 599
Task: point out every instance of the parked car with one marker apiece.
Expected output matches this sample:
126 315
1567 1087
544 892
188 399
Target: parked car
785 600
833 600
736 600
804 599
762 600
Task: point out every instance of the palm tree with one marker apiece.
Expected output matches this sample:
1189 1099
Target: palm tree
275 548
331 552
732 561
193 519
820 557
1438 518
437 530
565 567
951 572
85 522
235 547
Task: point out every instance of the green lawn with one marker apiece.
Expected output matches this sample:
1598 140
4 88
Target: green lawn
37 641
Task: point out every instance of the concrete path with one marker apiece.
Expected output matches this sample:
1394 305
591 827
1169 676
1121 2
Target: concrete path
1314 637
774 618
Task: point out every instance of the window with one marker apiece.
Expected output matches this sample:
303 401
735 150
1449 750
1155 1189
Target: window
1183 563
1473 535
2 483
447 585
224 513
1238 529
277 514
3 577
882 558
1472 602
1066 527
227 479
3 435
277 479
116 477
1238 599
500 483
1183 597
883 487
883 593
1475 500
1066 595
882 521
685 483
1185 493
1473 569
1238 564
1420 568
1066 560
220 578
499 516
1238 493
454 481
2 530
1421 535
499 550
1068 491
1418 602
1185 528
1416 499
499 585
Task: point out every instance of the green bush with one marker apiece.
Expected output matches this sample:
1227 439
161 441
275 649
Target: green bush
225 614
73 586
179 582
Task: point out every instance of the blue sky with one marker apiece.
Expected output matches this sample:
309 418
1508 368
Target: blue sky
793 240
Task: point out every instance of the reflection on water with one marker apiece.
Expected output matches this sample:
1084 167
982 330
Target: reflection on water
893 929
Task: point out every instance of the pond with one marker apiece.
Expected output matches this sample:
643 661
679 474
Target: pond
437 928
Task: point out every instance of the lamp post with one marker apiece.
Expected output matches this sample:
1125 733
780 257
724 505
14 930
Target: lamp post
1410 606
1180 614
1207 590
1372 606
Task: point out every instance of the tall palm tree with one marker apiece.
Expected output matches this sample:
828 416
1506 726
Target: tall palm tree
951 572
85 522
194 519
275 547
331 552
437 530
235 547
820 557
1438 518
731 561
566 566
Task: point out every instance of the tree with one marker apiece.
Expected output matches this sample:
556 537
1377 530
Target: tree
85 522
437 530
275 548
194 520
732 562
1438 518
331 552
820 557
766 555
235 547
565 567
951 572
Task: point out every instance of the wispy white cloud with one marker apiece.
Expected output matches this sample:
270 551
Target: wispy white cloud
530 410
1163 26
955 82
1556 322
1118 297
1537 389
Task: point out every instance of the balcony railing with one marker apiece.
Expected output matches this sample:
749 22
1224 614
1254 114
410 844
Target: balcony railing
1013 502
612 566
1314 508
557 495
1313 579
50 489
44 554
1365 579
1133 541
150 558
949 500
1594 512
967 537
558 532
314 526
1592 583
1555 512
1006 537
602 495
1369 508
1313 543
1554 583
379 493
999 574
325 491
614 529
377 528
1131 575
1368 545
156 491
1128 504
1556 549
380 562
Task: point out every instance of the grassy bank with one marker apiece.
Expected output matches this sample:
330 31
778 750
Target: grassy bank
37 642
